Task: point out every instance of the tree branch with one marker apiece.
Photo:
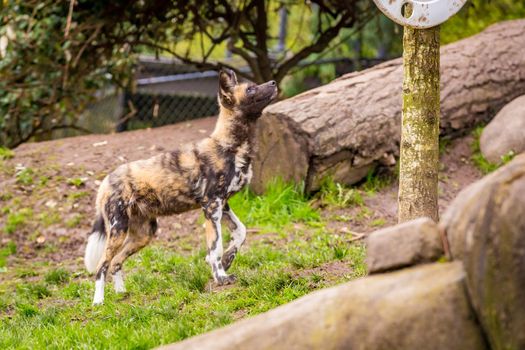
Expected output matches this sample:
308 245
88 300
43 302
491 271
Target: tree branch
199 64
322 42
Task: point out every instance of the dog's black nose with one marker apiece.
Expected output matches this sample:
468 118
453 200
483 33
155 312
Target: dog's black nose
272 82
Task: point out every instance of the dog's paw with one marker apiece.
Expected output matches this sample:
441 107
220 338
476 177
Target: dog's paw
228 257
224 280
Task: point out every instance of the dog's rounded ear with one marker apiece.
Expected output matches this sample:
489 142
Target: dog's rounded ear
227 79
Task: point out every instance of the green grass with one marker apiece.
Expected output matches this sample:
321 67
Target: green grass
378 222
169 297
57 276
281 205
49 217
77 182
74 221
477 157
375 182
17 219
25 177
444 143
337 195
6 153
74 196
5 251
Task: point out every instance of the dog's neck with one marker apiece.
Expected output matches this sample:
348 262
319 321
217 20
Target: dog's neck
233 130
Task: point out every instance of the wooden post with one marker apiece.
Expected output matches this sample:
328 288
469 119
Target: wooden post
419 154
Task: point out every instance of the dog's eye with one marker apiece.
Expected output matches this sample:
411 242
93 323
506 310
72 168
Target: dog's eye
250 90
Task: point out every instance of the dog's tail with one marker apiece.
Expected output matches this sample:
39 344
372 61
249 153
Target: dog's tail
95 245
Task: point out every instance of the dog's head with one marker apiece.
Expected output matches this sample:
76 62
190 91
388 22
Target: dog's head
249 99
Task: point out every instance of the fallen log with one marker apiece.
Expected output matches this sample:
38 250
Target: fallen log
347 127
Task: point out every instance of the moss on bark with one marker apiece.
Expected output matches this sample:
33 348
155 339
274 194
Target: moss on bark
419 151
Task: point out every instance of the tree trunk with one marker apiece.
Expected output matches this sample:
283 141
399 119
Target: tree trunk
419 150
347 127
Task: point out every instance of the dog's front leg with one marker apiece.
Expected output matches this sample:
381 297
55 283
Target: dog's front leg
239 236
213 214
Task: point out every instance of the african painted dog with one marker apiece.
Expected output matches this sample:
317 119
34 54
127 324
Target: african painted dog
201 175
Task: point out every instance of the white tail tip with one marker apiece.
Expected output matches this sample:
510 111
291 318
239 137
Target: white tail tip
94 251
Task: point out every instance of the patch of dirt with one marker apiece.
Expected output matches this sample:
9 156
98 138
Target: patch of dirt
63 210
103 153
380 209
329 271
239 314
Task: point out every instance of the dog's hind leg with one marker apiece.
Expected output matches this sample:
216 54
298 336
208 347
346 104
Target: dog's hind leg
118 230
138 237
213 214
239 236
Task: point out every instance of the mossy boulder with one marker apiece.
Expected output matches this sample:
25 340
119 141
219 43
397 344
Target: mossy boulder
505 133
485 227
410 243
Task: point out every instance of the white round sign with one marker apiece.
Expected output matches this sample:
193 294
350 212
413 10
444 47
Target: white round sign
425 13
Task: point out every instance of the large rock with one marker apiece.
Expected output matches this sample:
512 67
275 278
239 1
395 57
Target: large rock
418 308
485 226
402 245
346 127
505 133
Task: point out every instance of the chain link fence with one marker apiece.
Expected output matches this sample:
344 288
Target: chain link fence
165 92
146 110
168 92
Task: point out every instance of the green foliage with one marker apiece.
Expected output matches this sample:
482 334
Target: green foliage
476 15
375 181
57 276
335 194
17 219
74 196
42 181
6 153
444 142
340 251
77 182
7 250
33 290
477 157
280 205
378 222
25 176
49 217
74 221
50 74
380 37
297 82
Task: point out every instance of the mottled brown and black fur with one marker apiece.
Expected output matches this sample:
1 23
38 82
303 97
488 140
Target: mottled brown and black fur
201 175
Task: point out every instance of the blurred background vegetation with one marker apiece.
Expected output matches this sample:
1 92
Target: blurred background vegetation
59 59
